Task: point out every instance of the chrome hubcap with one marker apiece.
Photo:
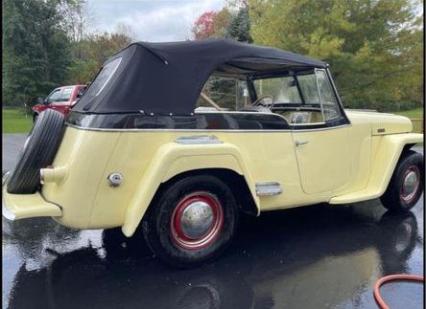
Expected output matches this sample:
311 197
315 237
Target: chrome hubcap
197 219
410 184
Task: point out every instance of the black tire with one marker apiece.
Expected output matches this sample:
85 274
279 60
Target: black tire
35 117
38 152
393 199
157 226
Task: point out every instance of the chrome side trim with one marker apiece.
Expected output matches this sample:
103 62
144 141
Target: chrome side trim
361 110
308 124
268 188
205 130
198 139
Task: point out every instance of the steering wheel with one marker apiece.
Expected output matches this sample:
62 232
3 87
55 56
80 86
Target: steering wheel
259 100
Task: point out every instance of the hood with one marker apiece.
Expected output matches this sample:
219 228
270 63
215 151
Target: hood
381 123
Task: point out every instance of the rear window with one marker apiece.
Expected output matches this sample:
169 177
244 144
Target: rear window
102 79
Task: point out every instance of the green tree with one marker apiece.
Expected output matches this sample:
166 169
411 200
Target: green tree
232 21
35 50
91 52
239 26
374 47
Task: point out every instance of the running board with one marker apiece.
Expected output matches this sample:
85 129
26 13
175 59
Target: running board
355 197
268 188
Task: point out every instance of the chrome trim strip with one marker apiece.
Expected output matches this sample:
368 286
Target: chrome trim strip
197 140
361 110
308 124
268 188
205 130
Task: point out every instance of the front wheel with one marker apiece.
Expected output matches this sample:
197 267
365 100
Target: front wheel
406 184
192 222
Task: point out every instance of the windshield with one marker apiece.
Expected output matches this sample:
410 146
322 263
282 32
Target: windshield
278 89
307 91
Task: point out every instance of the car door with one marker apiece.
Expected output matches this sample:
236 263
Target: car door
321 136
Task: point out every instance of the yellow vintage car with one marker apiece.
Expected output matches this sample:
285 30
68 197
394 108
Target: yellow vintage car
178 138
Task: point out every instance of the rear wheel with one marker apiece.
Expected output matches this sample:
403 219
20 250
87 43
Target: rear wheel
192 222
407 182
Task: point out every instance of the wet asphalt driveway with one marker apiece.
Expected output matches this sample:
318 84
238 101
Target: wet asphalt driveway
311 257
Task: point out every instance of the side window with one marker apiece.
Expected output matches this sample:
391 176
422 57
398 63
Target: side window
229 94
328 99
294 98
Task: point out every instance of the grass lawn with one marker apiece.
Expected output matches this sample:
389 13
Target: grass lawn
14 121
412 113
416 116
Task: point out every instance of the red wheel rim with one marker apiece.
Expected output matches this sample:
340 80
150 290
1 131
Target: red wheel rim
196 221
410 184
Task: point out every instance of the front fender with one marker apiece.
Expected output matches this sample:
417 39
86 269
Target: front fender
172 159
388 150
388 153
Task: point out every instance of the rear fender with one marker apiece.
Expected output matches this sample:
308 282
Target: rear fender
172 159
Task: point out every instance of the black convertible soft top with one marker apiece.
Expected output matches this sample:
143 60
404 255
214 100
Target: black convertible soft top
167 78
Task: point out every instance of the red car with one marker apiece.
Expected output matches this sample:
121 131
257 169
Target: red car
61 99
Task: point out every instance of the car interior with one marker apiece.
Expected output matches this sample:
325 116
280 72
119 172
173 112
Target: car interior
301 98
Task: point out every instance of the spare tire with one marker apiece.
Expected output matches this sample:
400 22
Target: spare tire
38 152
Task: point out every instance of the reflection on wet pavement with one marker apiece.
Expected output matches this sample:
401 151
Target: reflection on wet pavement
311 257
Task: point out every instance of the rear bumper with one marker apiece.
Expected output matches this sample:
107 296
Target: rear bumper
21 206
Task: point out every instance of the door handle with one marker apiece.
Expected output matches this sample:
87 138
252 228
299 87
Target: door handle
300 143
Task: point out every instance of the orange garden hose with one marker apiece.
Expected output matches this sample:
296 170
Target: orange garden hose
399 277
